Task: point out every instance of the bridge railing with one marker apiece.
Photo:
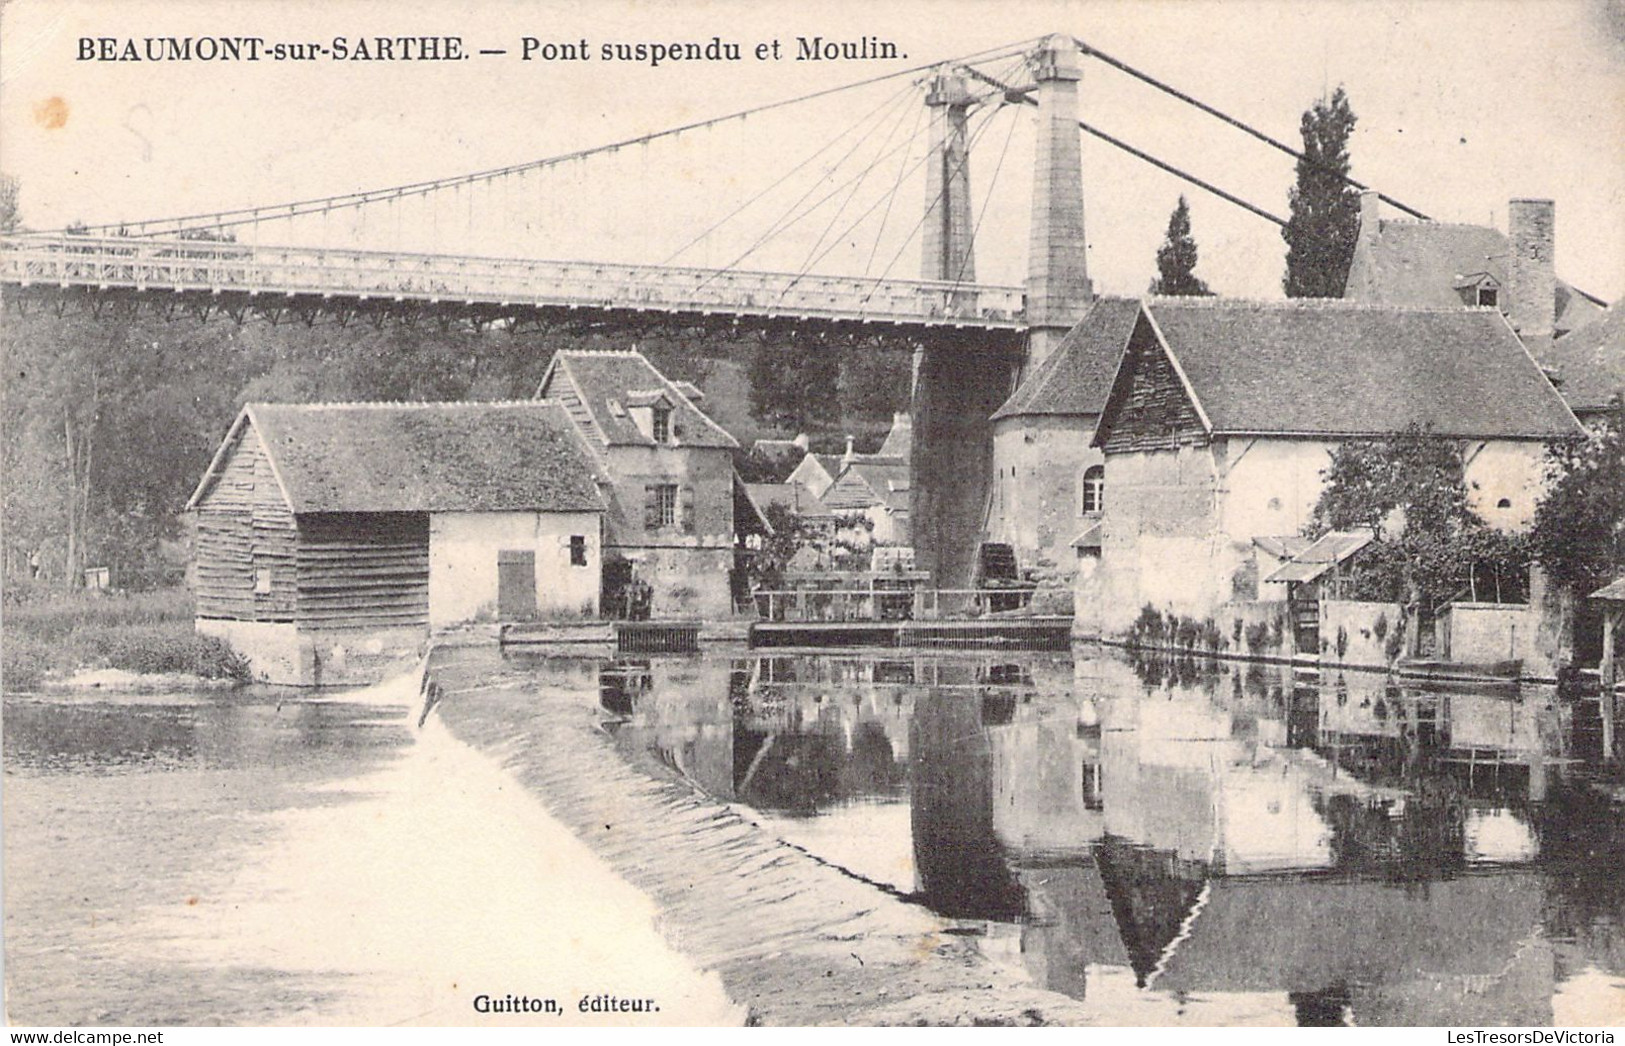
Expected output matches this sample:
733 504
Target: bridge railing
902 604
197 265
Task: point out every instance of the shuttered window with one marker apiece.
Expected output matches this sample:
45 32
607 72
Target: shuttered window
660 505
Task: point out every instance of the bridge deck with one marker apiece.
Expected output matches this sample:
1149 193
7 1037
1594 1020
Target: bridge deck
381 276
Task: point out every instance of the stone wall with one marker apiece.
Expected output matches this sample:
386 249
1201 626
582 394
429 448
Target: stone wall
463 549
1037 499
1358 633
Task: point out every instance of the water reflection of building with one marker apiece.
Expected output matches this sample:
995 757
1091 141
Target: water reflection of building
1244 834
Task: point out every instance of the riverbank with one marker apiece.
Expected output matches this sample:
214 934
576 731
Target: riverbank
53 639
794 939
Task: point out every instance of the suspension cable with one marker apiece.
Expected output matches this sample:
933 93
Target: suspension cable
245 215
1238 124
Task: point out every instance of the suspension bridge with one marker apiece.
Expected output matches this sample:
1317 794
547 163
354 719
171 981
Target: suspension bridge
382 255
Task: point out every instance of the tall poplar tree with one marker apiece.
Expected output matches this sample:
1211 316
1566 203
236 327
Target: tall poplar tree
1325 218
1176 258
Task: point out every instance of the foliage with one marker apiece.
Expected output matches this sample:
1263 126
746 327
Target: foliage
149 632
1410 490
791 533
1176 258
11 219
1579 531
55 615
793 386
1325 214
1155 629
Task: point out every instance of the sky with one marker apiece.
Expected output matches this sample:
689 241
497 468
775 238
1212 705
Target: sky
1462 106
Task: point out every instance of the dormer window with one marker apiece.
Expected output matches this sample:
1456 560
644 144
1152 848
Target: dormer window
1487 296
661 430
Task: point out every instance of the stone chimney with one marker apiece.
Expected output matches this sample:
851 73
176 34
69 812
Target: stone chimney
846 459
1370 216
1531 290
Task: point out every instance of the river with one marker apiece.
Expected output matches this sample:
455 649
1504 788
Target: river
1166 843
264 857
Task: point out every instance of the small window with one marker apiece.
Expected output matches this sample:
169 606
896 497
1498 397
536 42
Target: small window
578 550
262 580
1504 503
1486 296
662 425
1093 490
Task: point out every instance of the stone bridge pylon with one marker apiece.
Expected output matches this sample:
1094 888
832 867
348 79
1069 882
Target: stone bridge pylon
959 383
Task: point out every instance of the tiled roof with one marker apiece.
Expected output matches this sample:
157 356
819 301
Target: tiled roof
423 457
1590 362
866 483
899 442
1614 590
1421 263
1335 368
793 496
1078 373
599 377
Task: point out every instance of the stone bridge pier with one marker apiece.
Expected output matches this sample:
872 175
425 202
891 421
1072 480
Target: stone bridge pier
959 381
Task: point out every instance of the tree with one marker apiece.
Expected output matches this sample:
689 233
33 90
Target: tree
1325 217
1410 490
11 218
1579 532
1176 258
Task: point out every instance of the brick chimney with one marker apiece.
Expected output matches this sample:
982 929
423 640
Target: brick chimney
1531 291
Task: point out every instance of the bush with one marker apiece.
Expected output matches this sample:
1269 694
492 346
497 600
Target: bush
150 632
1258 636
158 649
1148 629
24 663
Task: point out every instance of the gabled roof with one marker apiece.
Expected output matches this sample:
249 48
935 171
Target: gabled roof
597 378
793 496
899 441
1078 373
1613 591
865 483
1330 368
1590 362
1423 263
420 457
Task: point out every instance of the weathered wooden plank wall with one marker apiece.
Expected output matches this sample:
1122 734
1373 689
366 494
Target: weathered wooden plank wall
1157 414
363 570
245 540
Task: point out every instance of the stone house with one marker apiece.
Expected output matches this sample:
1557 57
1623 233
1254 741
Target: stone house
331 538
1048 488
1440 264
1224 414
670 474
878 490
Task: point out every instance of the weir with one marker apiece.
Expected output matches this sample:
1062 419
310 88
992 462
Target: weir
958 383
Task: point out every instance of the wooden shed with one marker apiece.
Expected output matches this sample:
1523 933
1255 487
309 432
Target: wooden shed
332 537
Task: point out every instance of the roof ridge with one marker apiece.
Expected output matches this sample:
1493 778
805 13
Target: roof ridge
1430 223
601 352
1308 304
401 404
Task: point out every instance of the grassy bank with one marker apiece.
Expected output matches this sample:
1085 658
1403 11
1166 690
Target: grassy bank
147 632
